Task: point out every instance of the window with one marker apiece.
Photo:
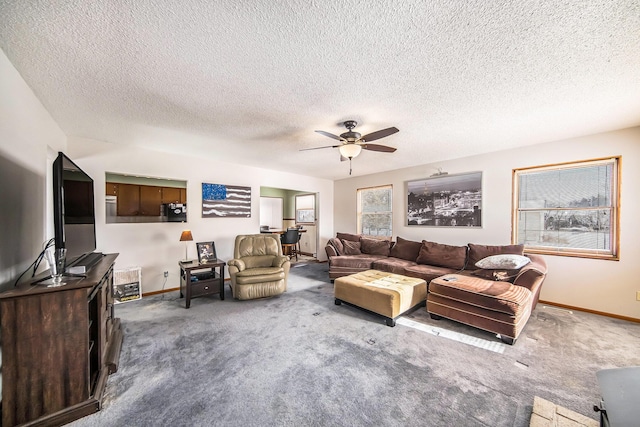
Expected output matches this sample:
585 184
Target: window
375 211
569 209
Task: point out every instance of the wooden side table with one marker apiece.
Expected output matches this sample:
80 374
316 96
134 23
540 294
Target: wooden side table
197 279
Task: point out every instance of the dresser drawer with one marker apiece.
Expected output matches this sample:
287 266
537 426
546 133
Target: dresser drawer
205 287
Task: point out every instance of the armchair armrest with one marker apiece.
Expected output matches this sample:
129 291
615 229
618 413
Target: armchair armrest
237 263
279 261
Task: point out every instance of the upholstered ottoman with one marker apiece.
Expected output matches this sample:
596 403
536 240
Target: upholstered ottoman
387 294
494 306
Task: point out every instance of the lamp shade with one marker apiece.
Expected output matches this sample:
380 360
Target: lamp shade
350 150
186 236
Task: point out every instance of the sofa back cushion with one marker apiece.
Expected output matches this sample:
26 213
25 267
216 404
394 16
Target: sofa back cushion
374 246
347 236
478 252
406 249
438 254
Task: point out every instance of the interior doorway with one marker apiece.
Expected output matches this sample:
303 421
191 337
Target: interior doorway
299 209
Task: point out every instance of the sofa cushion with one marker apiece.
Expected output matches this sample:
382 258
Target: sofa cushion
362 261
347 236
427 272
351 248
392 265
505 261
438 254
374 246
478 252
406 249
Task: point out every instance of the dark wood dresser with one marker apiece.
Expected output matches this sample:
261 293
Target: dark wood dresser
59 346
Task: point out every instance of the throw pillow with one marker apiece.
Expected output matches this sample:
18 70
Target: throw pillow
337 244
374 246
347 236
440 255
505 262
497 275
406 249
478 252
351 248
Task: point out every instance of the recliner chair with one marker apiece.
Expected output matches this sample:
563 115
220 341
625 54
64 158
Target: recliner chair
259 269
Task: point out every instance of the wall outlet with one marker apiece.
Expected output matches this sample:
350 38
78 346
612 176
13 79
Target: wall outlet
166 274
637 295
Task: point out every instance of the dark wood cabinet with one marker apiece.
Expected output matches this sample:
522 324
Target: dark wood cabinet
150 200
59 346
111 189
171 195
128 200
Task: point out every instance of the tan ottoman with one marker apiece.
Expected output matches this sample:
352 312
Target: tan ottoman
387 294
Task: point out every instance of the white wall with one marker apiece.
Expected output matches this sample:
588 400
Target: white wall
29 139
605 286
155 246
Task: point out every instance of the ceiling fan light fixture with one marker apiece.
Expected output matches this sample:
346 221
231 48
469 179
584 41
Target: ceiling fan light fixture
350 150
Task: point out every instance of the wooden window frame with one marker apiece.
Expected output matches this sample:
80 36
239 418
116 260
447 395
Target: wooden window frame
359 210
613 252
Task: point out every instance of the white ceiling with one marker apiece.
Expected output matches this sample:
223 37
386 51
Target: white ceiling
249 82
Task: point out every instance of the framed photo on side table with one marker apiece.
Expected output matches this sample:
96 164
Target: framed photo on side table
206 251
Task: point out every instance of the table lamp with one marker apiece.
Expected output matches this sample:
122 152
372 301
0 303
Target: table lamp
186 237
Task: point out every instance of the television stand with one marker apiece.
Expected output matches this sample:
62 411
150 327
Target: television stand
59 347
84 263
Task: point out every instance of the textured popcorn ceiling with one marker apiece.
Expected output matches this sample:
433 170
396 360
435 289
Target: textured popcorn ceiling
250 81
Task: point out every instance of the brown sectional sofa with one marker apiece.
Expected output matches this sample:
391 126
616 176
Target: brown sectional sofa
497 300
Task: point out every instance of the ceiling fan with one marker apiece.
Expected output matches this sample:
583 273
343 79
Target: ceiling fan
352 143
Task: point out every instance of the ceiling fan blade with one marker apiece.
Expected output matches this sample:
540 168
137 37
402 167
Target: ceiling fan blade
330 135
317 148
378 147
379 134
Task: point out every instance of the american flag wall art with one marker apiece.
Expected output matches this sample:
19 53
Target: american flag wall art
226 200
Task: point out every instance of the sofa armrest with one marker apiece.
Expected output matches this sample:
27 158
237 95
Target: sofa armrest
330 250
532 275
237 263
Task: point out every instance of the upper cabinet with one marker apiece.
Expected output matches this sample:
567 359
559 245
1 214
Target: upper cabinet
141 199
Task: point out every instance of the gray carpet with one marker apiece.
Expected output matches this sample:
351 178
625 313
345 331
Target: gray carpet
300 360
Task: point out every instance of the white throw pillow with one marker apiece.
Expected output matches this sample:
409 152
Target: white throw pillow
506 261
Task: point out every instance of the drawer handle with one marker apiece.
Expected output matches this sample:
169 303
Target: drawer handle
206 288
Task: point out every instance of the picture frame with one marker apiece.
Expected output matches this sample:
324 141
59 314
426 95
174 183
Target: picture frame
206 252
445 200
305 216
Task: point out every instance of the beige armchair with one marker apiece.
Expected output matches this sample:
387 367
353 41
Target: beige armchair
259 269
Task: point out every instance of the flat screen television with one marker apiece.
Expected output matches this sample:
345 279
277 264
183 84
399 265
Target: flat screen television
74 220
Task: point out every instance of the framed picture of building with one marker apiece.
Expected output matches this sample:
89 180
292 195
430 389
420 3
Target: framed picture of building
445 201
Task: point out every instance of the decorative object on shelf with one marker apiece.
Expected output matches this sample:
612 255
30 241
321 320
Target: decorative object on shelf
206 252
446 200
186 237
56 259
225 200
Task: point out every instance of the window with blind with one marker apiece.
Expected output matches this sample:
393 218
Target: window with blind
374 207
569 209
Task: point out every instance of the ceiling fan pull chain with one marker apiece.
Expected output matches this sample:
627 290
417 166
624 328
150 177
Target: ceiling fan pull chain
349 165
